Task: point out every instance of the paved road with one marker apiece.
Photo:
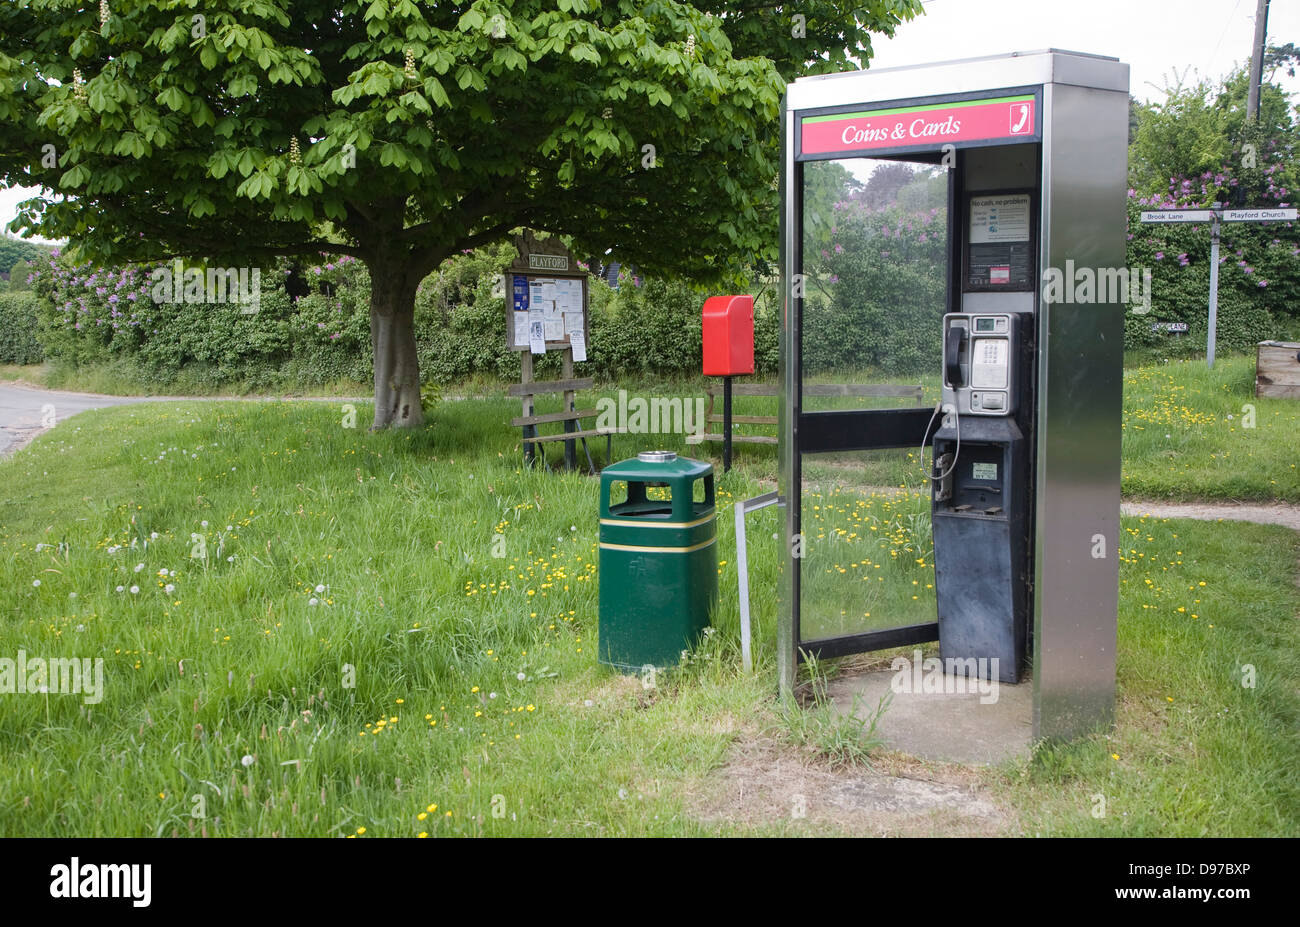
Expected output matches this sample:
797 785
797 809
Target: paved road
27 411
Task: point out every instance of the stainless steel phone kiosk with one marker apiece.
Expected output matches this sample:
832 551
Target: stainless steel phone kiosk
921 208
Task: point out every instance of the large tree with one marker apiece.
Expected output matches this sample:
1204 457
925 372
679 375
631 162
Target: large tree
401 132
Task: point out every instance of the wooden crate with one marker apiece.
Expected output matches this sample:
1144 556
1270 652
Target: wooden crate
1277 370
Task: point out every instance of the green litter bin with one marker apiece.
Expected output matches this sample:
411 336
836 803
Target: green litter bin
658 559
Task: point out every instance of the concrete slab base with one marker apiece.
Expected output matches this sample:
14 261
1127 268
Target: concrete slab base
960 724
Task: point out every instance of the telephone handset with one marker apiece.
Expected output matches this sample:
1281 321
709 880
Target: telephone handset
954 341
980 350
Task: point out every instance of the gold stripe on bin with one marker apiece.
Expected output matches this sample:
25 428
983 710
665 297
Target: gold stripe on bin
657 550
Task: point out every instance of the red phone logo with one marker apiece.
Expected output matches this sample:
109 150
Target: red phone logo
1022 122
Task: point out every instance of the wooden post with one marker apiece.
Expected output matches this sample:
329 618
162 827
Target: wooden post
570 447
530 431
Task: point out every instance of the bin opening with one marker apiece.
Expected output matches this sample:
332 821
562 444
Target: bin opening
652 507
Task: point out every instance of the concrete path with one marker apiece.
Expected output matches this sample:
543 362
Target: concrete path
26 411
1286 514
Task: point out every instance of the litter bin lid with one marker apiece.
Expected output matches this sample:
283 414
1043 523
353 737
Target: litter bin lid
643 468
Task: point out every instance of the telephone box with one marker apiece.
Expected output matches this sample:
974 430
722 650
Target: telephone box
922 208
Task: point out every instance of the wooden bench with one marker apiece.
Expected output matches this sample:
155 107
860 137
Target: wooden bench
572 419
879 390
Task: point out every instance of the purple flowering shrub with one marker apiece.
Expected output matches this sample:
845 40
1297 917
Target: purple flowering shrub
93 315
312 326
1259 263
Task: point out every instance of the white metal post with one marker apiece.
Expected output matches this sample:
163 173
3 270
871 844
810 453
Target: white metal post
1214 291
742 566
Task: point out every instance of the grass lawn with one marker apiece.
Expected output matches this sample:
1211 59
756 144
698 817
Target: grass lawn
1191 432
341 651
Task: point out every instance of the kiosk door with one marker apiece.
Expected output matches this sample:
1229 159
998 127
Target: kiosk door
873 255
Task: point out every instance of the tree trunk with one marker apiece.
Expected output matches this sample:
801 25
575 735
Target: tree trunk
392 334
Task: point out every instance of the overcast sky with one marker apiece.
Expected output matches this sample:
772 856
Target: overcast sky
1159 39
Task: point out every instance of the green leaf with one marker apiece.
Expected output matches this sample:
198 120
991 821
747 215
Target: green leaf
392 155
244 85
202 207
433 90
75 176
173 99
467 77
219 163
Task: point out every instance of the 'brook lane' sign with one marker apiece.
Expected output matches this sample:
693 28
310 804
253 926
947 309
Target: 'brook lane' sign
1012 117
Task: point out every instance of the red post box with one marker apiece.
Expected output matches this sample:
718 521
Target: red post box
728 336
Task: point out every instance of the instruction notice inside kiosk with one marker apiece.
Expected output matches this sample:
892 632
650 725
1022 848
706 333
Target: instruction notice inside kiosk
999 249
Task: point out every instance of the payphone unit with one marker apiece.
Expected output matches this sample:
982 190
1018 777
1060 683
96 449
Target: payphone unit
981 362
980 496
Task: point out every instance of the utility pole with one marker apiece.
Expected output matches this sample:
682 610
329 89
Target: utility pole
1257 60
